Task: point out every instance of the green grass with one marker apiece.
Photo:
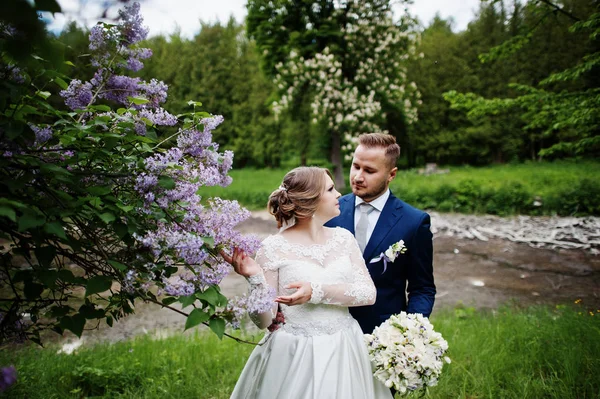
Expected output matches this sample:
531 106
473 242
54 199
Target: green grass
547 188
538 352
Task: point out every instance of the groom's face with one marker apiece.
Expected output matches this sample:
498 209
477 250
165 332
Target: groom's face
371 173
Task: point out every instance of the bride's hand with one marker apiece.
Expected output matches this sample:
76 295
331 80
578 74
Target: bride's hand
242 263
302 295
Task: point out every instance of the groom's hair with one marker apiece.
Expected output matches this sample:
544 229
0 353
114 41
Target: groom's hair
382 140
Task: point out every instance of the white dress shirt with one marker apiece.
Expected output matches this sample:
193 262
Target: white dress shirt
378 203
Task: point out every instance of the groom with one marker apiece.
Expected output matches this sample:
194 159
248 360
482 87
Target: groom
378 220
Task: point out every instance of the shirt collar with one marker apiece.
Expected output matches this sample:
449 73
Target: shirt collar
378 203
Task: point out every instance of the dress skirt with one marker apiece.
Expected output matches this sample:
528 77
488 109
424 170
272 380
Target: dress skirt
329 366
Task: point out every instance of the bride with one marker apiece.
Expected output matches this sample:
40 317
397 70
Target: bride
318 272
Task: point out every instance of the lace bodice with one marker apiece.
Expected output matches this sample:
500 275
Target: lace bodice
336 272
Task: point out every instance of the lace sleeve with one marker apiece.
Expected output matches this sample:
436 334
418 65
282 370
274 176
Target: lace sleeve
360 291
269 277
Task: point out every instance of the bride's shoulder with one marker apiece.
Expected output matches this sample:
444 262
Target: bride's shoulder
337 233
270 239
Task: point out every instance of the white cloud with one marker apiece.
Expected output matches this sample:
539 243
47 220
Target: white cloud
165 16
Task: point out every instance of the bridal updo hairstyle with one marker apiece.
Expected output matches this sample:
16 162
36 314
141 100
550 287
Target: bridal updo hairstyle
299 194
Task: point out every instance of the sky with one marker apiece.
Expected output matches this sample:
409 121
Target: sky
165 16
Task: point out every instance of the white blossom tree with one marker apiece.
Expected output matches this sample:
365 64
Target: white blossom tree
348 58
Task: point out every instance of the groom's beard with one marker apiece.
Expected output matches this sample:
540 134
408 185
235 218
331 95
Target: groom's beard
369 194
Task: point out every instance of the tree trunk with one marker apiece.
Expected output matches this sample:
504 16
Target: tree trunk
336 159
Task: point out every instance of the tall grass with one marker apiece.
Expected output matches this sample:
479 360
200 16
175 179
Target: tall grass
538 352
545 188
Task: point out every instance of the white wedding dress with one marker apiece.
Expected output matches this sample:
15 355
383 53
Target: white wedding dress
319 353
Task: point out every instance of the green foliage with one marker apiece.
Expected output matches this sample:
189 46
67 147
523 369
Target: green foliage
559 110
534 188
562 188
87 175
512 353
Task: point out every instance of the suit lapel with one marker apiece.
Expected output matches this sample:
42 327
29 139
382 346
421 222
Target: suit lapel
390 216
347 213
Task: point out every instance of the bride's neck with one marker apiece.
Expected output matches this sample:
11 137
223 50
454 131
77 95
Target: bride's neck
312 228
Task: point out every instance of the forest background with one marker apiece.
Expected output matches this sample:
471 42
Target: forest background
222 67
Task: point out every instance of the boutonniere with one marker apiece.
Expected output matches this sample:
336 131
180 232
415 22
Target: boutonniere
390 254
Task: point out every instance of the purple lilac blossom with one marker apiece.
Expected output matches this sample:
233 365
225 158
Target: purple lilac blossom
159 162
158 117
131 24
221 221
140 128
119 87
134 56
258 300
155 92
178 287
129 280
42 134
102 38
78 95
8 376
16 75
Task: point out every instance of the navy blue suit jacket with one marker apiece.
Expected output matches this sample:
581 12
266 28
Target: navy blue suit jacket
398 221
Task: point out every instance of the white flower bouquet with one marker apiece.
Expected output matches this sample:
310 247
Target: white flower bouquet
406 353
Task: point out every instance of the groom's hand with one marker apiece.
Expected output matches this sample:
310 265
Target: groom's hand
302 295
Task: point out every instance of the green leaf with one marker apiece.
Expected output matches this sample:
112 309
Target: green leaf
45 255
59 311
32 290
47 5
89 311
169 300
187 300
109 321
209 241
107 217
54 169
210 295
101 108
61 83
117 265
30 220
55 228
44 94
75 324
66 276
69 63
97 284
99 190
218 327
196 317
125 208
8 213
120 229
166 182
195 103
47 277
138 100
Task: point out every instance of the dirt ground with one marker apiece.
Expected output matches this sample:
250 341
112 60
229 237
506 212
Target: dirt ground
469 272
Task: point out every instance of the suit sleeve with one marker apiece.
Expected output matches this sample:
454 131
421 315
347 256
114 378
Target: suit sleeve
421 287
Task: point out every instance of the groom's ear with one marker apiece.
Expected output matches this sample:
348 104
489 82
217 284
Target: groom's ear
392 174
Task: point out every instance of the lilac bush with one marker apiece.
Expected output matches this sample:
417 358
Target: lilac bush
100 199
